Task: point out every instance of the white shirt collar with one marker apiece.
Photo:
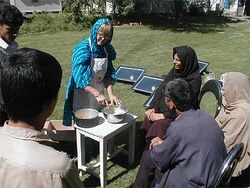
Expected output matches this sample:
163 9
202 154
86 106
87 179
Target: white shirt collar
25 133
3 44
9 49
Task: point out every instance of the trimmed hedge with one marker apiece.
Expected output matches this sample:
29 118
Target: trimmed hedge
51 22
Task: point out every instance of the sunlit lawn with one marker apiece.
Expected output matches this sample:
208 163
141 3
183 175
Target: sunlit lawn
225 45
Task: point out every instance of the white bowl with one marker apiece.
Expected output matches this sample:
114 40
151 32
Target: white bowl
114 114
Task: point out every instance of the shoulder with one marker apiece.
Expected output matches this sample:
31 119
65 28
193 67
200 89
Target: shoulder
193 118
237 115
3 55
14 45
110 48
82 45
195 82
82 49
33 155
49 159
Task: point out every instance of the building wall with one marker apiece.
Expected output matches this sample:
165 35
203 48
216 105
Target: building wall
109 7
229 7
37 5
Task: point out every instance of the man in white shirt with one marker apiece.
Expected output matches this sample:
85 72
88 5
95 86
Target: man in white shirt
31 80
11 20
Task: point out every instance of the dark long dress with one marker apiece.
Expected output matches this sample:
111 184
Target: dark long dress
190 73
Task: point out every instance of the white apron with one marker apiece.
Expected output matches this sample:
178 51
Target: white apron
99 67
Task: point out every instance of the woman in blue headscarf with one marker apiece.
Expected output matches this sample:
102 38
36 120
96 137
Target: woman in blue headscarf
92 71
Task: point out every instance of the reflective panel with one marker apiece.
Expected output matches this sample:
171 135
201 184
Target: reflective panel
150 98
129 74
202 66
147 84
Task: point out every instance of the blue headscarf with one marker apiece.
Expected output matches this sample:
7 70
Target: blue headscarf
96 49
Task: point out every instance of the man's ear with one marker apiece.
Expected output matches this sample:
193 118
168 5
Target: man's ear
171 105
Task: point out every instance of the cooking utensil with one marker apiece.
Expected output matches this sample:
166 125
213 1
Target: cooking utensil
86 117
116 115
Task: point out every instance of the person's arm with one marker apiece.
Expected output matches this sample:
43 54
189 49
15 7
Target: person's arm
157 158
196 86
98 95
155 142
156 116
236 127
111 77
113 99
163 154
81 68
71 177
149 112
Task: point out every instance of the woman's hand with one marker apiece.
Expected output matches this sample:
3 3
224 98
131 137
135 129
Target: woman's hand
148 112
154 142
114 100
101 99
156 116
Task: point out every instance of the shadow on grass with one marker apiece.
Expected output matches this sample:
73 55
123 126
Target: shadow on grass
202 24
120 160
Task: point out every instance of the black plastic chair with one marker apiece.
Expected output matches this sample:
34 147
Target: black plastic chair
225 172
213 86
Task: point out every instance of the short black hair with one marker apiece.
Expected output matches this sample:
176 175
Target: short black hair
180 92
10 15
30 79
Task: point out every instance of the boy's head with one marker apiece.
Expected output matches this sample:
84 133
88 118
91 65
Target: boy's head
10 21
30 81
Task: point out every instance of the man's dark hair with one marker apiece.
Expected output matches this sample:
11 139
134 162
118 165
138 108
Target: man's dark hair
180 92
30 80
10 15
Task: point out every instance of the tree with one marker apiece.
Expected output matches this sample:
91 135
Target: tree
82 8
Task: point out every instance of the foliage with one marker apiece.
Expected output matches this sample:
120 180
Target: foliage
40 22
97 8
51 22
84 10
74 7
124 7
198 7
191 7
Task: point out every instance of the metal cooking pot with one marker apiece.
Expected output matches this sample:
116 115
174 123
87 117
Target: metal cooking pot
114 114
86 117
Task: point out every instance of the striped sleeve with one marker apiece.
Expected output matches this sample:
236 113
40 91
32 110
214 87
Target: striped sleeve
81 68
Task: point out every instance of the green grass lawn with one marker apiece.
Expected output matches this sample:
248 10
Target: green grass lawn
224 43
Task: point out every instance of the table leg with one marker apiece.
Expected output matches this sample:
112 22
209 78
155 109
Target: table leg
103 162
80 141
131 148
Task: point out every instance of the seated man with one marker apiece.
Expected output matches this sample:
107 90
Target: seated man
30 81
193 148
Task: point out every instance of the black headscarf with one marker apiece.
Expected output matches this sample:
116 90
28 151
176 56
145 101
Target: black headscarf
189 62
189 72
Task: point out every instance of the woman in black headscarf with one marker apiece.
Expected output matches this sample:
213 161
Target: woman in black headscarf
158 117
